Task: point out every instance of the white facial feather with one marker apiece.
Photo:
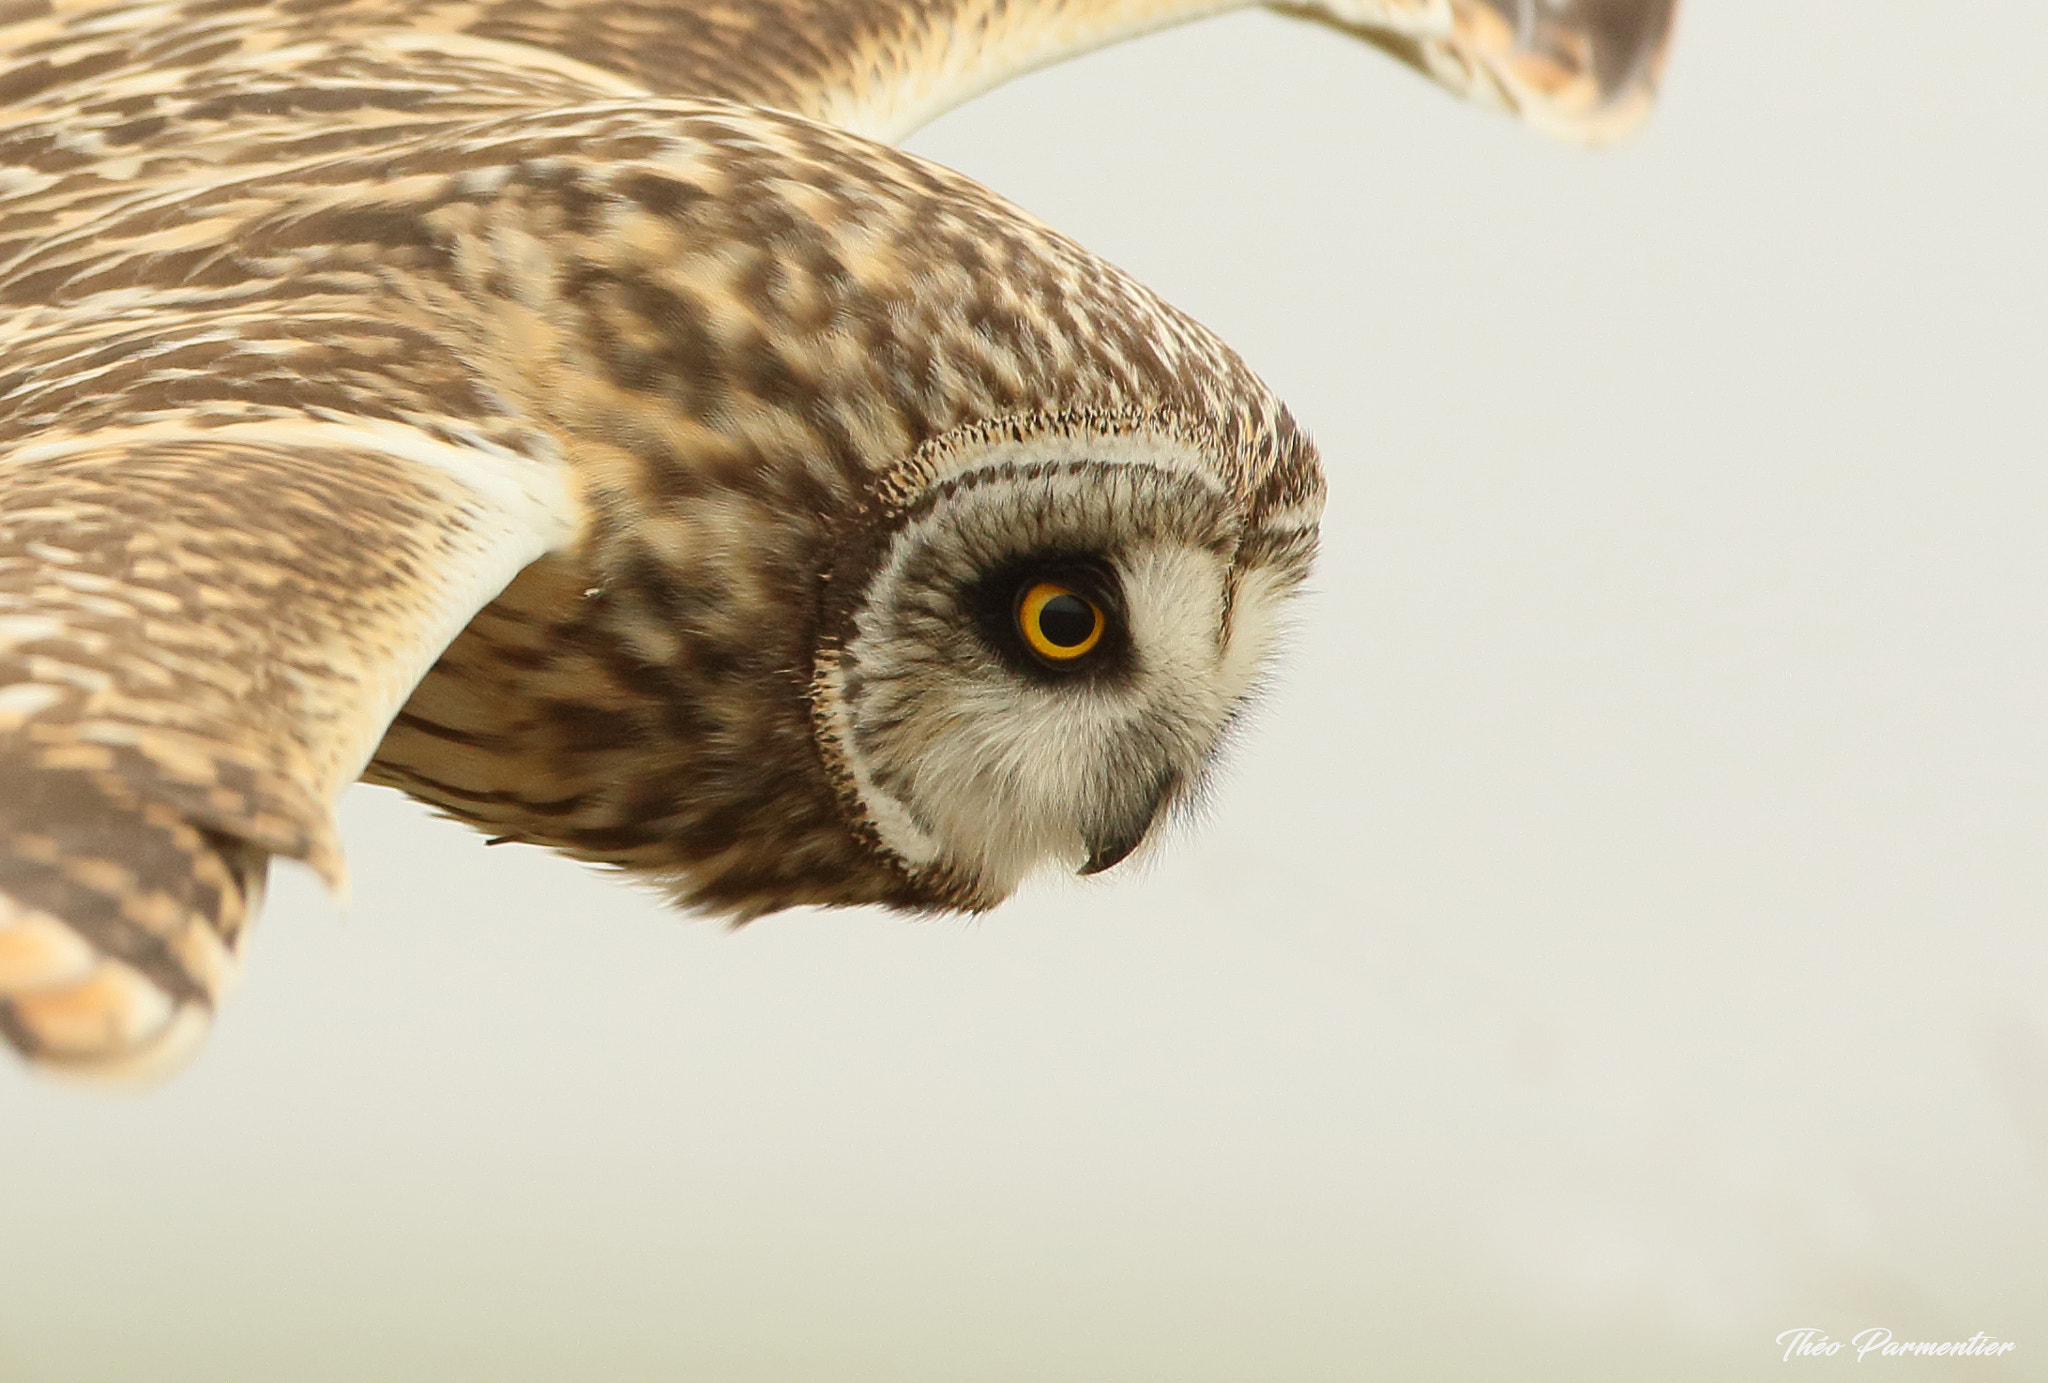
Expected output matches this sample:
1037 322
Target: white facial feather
965 760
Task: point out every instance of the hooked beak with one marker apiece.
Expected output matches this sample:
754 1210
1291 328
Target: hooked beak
1110 854
1110 846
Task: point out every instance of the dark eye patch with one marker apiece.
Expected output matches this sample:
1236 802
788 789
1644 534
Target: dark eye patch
1076 629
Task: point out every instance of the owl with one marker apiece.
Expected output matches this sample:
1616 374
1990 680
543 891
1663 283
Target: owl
575 414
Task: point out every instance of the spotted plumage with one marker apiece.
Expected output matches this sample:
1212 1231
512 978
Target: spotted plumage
573 414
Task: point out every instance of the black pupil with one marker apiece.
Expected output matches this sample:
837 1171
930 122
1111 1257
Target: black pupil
1066 621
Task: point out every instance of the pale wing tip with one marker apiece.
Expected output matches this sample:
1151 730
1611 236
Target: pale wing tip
1581 70
76 1012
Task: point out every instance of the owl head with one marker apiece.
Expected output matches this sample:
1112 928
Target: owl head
1042 649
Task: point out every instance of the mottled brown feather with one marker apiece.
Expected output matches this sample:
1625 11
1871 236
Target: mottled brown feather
319 322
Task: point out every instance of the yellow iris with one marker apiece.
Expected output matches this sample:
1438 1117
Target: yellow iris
1059 624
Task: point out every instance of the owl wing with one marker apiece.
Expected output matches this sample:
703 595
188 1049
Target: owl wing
1584 70
203 634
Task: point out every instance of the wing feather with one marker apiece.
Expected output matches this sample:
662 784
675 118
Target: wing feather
1581 69
202 640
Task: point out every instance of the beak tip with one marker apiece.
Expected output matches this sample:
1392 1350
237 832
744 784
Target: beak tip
1118 838
1107 857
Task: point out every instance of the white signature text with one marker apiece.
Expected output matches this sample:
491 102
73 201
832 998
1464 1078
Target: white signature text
1805 1342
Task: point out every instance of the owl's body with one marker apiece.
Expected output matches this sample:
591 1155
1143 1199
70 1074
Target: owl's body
866 540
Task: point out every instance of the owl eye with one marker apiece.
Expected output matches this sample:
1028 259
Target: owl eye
1058 624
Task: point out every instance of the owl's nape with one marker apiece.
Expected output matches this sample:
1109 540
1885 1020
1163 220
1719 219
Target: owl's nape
572 416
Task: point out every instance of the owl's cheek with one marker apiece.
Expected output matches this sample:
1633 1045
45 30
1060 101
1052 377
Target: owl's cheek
997 780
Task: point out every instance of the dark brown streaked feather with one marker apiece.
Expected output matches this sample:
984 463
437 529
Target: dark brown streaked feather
201 638
322 322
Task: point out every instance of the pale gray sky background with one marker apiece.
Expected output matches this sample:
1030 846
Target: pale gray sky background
1624 937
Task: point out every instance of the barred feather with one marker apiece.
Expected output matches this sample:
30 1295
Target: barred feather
320 323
